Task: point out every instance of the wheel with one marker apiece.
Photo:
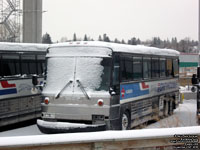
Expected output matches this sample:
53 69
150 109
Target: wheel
166 109
171 108
125 121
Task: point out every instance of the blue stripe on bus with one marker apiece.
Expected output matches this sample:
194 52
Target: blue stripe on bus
132 91
8 91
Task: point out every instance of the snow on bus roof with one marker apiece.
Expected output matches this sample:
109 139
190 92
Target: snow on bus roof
6 46
137 49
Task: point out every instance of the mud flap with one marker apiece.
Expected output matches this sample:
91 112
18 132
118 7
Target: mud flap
65 127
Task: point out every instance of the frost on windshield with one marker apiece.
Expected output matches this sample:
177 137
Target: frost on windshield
92 72
89 72
59 73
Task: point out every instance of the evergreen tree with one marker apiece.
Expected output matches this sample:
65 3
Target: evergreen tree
116 40
100 38
46 38
123 42
106 38
138 41
85 38
133 41
74 37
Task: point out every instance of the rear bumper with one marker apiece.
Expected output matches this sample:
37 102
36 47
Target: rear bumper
65 127
73 111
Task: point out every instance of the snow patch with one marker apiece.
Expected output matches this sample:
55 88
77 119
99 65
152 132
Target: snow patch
63 125
5 46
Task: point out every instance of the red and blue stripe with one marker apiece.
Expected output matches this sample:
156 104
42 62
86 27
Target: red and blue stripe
7 88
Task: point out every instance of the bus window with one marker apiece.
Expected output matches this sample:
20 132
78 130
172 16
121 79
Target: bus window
146 68
175 68
126 65
129 68
122 69
10 65
155 67
28 64
162 67
137 68
169 68
116 71
106 75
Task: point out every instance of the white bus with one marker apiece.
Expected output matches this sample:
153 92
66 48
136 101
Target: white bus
19 61
105 84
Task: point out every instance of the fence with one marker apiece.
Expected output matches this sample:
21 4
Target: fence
158 139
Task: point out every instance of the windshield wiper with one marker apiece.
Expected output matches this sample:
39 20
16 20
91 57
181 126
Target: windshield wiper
82 89
58 95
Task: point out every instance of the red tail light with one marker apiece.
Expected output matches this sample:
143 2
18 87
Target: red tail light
100 102
46 100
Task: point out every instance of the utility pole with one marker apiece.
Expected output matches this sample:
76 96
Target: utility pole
199 29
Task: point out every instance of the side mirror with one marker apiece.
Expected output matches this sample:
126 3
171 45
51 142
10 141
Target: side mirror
112 92
194 79
34 80
198 72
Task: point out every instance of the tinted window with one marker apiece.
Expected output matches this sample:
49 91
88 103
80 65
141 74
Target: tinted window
175 67
10 65
155 67
169 67
126 65
137 68
162 67
122 69
129 68
146 68
105 83
28 64
116 71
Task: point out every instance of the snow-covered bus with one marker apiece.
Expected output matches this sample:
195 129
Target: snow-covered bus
19 61
106 84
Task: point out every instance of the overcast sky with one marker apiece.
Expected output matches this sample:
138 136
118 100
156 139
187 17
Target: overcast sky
122 19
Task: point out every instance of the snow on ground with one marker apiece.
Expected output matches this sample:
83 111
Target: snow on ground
184 115
24 131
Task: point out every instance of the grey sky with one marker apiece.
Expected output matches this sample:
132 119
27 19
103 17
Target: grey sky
121 18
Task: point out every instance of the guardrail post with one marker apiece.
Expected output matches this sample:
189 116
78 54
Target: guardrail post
98 146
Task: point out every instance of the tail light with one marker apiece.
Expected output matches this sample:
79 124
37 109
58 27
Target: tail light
100 102
46 100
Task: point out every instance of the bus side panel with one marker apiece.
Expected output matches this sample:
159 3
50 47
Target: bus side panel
144 99
17 102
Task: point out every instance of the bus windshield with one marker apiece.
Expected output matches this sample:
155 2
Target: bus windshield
93 73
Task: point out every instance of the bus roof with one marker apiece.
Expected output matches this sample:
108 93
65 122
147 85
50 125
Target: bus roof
136 49
6 46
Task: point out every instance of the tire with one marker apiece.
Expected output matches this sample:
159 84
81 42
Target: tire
171 108
166 109
125 121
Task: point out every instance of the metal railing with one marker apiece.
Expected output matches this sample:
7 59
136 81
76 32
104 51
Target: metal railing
163 138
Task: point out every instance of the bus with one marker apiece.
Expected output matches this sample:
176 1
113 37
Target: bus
19 101
113 85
